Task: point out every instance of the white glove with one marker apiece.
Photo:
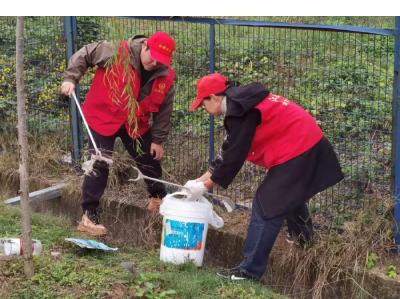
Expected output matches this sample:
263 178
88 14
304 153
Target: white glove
197 189
189 184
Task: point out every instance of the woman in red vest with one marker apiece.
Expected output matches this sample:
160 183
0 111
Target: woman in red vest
131 97
277 134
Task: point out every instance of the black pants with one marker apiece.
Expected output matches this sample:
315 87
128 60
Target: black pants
94 185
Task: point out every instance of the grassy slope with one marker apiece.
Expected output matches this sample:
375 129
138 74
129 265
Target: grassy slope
88 274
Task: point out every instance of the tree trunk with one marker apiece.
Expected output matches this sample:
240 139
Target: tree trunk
23 150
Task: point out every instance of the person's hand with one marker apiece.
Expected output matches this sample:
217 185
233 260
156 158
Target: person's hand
205 176
196 188
67 88
157 151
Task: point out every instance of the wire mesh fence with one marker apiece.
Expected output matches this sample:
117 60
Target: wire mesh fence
344 79
44 59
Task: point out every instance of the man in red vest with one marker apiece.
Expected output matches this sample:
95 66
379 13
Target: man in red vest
277 134
131 97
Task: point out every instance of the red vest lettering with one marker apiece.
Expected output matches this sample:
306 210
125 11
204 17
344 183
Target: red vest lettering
285 132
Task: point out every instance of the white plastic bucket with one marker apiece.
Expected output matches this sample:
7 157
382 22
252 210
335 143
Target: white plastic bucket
185 226
13 246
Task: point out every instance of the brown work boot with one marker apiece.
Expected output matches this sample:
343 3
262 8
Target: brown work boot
90 224
153 204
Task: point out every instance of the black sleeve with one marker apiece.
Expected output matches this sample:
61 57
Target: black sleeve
234 150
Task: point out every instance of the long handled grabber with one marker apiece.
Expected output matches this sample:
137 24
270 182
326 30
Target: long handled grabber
88 165
226 202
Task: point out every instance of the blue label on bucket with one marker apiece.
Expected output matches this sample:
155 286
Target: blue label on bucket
183 235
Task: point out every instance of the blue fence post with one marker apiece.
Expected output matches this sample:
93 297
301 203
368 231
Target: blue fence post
212 70
396 143
70 30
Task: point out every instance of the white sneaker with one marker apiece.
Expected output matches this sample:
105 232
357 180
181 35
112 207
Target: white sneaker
234 274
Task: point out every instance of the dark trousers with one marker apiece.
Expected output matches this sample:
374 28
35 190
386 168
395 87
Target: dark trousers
262 234
94 185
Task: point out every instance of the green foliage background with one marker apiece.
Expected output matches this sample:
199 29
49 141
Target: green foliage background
343 79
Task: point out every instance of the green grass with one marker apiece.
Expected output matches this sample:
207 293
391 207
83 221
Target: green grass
79 273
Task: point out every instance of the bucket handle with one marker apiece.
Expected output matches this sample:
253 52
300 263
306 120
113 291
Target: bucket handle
179 195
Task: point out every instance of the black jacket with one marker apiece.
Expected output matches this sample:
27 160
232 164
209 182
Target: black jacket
240 122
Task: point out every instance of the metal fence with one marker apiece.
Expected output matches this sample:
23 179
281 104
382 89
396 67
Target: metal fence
343 75
44 62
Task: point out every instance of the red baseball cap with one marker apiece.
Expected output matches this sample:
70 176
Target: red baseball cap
161 47
210 84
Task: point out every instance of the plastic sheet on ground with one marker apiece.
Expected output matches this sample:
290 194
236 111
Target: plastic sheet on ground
91 244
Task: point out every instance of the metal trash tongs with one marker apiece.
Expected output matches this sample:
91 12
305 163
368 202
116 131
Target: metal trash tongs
228 204
96 149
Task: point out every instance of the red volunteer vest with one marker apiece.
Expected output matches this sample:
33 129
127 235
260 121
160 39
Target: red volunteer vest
106 114
285 132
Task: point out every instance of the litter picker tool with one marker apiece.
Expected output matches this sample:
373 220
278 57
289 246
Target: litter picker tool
226 202
88 165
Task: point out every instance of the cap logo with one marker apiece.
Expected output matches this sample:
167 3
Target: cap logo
165 48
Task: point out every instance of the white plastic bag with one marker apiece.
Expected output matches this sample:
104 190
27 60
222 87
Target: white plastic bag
171 200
